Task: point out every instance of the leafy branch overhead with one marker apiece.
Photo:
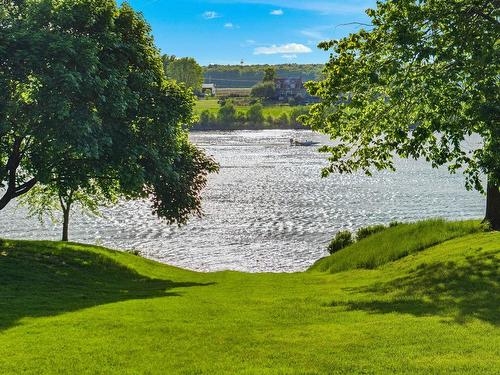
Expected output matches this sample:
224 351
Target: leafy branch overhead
420 81
86 107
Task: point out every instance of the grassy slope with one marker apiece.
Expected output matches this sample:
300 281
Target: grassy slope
81 309
394 243
213 106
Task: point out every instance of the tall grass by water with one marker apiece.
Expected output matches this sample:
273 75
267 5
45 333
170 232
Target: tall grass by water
394 243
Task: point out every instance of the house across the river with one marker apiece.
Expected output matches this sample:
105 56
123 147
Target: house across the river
288 88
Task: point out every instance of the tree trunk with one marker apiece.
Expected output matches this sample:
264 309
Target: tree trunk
66 211
493 206
6 198
9 173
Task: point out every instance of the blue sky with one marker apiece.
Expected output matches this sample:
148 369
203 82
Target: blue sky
255 31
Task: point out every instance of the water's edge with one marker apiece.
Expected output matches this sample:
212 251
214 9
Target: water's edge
268 210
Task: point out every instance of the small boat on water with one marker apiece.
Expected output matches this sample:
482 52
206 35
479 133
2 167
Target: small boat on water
295 142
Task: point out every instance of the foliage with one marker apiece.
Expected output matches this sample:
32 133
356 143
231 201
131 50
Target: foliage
134 252
297 115
207 118
415 85
272 116
283 120
342 239
264 90
45 201
394 243
184 70
255 114
368 231
269 74
227 113
175 200
241 118
86 105
245 76
177 321
270 120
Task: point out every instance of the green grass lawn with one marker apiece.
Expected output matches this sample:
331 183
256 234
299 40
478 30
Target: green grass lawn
68 308
394 243
213 106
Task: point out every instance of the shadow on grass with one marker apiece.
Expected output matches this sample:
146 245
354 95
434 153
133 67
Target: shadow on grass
49 281
470 289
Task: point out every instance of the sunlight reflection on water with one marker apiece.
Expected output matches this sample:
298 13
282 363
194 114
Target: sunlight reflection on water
268 209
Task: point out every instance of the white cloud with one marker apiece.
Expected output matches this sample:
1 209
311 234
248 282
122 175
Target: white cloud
288 49
210 15
313 34
229 25
289 57
277 12
248 43
338 7
327 32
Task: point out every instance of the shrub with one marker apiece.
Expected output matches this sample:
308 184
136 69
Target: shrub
241 117
368 231
227 114
269 120
265 90
134 252
297 112
486 226
393 224
342 239
283 120
207 118
255 115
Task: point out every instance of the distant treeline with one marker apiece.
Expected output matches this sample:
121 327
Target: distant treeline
245 76
229 117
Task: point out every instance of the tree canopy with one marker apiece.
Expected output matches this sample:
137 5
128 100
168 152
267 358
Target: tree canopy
269 74
264 90
245 76
184 70
255 114
416 84
85 104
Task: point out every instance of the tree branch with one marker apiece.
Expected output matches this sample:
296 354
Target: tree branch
24 188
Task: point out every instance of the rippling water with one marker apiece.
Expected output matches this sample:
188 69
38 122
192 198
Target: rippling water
267 209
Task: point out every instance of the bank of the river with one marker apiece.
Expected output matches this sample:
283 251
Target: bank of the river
213 106
68 308
272 116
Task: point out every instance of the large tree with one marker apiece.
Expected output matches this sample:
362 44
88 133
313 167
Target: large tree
184 70
264 90
269 74
85 105
46 201
416 84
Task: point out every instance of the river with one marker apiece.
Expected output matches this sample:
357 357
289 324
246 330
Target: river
268 210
